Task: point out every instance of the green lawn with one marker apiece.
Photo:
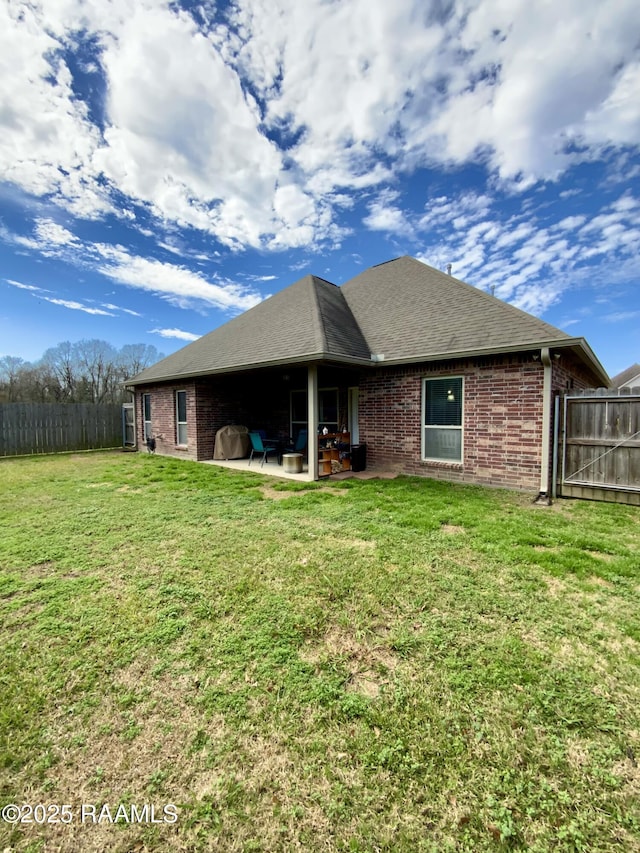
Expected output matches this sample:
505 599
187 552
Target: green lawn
393 665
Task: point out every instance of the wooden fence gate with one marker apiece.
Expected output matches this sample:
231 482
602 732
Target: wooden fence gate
128 425
598 450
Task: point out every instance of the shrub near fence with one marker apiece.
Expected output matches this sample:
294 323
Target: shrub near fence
27 428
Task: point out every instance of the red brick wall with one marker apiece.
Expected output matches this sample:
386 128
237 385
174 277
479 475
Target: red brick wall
256 400
163 419
502 415
502 420
568 374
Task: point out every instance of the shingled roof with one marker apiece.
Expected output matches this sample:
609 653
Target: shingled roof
308 321
401 311
409 311
630 375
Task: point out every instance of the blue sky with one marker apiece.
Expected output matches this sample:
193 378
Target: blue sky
164 166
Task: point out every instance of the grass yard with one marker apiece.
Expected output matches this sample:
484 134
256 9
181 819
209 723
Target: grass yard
398 665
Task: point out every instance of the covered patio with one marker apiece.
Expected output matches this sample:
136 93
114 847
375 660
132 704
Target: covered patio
292 363
280 403
270 468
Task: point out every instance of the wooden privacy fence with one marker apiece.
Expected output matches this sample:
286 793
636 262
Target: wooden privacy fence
599 450
27 428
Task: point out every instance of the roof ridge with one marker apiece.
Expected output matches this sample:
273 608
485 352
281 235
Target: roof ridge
483 294
463 287
319 312
401 310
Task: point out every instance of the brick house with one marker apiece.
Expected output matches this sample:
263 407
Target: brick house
437 377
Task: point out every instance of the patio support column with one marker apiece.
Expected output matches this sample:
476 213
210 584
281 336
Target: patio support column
312 417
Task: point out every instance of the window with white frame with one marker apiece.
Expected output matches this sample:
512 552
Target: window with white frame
146 416
181 417
299 412
442 407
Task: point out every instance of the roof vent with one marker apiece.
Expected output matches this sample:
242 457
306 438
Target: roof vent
448 269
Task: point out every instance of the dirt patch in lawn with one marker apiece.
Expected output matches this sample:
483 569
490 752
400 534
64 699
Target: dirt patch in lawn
555 586
41 570
281 494
140 750
369 664
601 555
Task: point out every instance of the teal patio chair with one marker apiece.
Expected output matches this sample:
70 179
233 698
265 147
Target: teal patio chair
300 444
258 446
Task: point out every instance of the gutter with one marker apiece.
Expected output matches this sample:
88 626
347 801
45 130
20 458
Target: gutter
579 344
299 361
543 497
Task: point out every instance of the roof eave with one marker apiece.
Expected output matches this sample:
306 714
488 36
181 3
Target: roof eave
579 344
311 358
576 344
591 358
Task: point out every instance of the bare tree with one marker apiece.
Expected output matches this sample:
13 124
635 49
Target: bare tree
135 357
86 371
10 366
36 384
60 360
96 361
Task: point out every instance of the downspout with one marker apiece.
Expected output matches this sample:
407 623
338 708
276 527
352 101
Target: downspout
545 357
555 450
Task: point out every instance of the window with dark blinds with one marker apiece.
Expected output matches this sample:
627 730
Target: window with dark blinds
442 426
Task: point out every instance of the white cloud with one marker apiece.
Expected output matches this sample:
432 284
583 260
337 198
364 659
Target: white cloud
461 211
528 260
173 282
255 132
47 142
509 83
568 323
532 78
617 120
48 231
21 286
112 307
571 222
175 333
77 306
621 316
178 284
181 135
385 215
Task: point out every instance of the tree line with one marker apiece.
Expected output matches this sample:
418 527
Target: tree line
88 371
